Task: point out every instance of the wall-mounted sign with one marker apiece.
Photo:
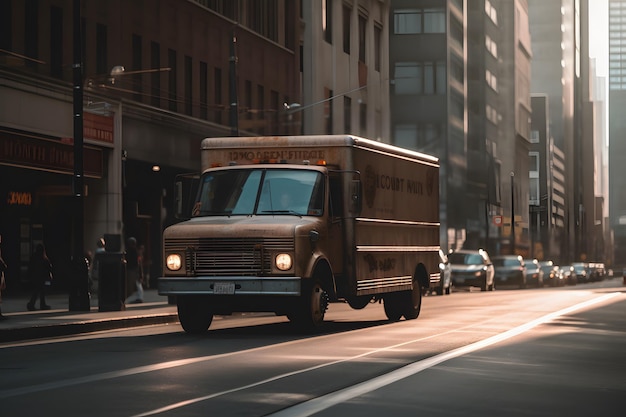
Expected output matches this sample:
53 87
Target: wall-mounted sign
35 152
19 198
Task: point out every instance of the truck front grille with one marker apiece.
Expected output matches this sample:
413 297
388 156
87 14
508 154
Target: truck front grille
229 256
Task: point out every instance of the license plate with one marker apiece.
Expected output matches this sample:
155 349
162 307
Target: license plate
224 288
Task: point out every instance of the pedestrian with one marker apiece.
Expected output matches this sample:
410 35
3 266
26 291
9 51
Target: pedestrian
40 275
3 283
95 264
134 274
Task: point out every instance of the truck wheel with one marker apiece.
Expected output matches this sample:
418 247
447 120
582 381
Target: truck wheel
412 301
194 314
393 306
311 308
359 302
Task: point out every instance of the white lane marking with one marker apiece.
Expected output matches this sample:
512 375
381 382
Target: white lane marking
324 402
312 406
184 362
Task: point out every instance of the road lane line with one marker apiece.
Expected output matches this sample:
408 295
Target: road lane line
318 404
324 402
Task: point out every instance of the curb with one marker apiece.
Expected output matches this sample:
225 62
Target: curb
87 326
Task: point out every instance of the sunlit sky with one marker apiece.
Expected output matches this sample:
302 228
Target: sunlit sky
598 35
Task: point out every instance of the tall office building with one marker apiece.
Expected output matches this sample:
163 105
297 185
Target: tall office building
617 127
554 72
427 67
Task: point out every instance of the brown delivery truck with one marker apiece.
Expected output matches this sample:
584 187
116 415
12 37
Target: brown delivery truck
290 224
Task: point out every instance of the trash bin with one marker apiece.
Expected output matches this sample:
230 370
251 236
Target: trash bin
111 281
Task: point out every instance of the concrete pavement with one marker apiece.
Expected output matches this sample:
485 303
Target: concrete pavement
22 324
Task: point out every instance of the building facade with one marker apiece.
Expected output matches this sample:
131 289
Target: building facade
617 128
345 72
428 70
157 81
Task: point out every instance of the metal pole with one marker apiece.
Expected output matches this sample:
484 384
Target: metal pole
512 213
234 101
79 285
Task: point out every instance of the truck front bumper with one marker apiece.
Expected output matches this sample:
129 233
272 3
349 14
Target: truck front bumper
258 286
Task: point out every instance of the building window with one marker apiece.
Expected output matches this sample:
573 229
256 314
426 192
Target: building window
420 78
492 80
378 35
407 22
260 104
362 37
414 21
188 85
534 136
405 136
347 114
363 118
171 84
408 78
491 12
327 20
347 16
533 191
328 111
491 46
137 53
204 94
56 42
217 91
101 49
31 31
434 21
155 77
247 98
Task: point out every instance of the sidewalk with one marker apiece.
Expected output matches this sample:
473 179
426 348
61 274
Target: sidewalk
59 321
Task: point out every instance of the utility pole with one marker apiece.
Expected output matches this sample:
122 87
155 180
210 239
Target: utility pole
512 213
79 298
234 101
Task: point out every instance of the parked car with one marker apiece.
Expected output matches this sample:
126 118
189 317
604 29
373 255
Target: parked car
534 274
510 270
445 283
581 272
551 275
568 275
472 268
597 271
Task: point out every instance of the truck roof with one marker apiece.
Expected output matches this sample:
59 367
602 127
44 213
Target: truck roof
286 142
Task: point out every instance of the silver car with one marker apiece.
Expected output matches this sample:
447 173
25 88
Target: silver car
472 268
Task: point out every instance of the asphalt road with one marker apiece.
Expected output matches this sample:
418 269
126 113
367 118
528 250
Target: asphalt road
533 352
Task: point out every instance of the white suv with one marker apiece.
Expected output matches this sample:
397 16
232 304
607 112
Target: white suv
472 268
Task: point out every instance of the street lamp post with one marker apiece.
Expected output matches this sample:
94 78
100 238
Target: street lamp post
512 213
79 298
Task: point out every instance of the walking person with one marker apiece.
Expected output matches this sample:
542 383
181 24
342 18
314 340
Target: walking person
3 284
40 274
134 273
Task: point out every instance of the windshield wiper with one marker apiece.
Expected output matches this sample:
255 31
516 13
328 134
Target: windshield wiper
281 212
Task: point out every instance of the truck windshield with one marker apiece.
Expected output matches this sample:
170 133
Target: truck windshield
244 192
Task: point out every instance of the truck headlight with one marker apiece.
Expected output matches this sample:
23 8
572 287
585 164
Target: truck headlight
283 261
173 262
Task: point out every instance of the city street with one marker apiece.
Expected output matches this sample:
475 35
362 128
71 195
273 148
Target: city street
548 351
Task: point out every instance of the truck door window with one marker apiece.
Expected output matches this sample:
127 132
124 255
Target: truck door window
227 193
292 192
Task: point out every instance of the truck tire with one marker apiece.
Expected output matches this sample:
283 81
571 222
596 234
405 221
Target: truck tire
194 314
392 303
412 301
309 313
359 302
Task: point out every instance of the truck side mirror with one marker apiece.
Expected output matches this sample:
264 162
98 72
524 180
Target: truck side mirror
356 197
